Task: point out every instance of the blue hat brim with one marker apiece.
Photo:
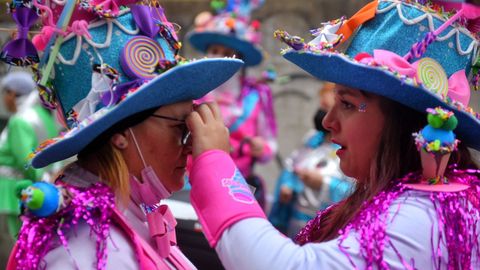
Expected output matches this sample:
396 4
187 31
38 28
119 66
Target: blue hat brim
251 54
339 69
184 82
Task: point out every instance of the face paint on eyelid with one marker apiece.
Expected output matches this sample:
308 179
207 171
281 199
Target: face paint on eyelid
362 107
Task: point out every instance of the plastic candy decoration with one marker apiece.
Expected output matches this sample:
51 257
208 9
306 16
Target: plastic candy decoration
295 42
103 8
431 74
169 37
21 51
476 74
436 142
42 199
46 97
326 36
140 57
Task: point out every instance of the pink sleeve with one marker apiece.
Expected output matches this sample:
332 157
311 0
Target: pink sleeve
220 194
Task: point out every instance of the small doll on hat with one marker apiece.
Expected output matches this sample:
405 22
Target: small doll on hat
246 102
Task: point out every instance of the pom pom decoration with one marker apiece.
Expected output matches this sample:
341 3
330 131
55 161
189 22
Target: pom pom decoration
40 41
202 19
434 121
217 5
436 142
42 199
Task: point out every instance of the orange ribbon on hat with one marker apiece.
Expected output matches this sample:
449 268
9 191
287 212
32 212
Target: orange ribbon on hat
363 15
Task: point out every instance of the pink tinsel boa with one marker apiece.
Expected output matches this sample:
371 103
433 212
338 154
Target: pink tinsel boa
38 236
457 216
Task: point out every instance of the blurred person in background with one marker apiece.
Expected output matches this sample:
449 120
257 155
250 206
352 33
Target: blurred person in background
312 179
28 125
245 101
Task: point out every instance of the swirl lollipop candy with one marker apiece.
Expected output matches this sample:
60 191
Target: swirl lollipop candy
431 74
141 58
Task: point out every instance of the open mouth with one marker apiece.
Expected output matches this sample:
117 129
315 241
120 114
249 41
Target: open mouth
342 148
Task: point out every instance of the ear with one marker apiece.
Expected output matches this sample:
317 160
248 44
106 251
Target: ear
119 140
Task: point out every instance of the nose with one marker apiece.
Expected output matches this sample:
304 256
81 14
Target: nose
330 121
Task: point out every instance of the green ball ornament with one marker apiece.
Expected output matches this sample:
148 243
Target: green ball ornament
434 120
451 123
217 5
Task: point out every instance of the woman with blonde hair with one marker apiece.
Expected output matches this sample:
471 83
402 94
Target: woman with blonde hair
123 93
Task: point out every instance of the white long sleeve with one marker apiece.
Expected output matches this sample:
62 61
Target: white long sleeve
82 247
255 244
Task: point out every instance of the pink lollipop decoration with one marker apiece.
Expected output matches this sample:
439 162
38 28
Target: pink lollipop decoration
141 58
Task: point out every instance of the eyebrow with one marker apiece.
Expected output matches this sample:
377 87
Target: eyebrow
346 92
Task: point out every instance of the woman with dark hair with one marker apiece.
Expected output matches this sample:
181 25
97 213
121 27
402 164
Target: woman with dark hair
124 94
416 202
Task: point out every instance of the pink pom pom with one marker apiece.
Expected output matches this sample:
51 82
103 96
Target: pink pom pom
40 41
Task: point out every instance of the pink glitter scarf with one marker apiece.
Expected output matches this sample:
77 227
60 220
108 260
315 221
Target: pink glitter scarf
457 214
93 205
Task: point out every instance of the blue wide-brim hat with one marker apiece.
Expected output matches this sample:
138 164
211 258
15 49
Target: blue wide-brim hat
230 29
186 82
115 66
395 27
251 53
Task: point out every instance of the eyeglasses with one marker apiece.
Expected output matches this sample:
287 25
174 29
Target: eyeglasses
185 133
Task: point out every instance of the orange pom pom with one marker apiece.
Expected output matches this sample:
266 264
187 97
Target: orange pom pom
230 23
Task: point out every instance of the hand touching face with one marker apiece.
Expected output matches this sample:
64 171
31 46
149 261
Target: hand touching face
207 129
